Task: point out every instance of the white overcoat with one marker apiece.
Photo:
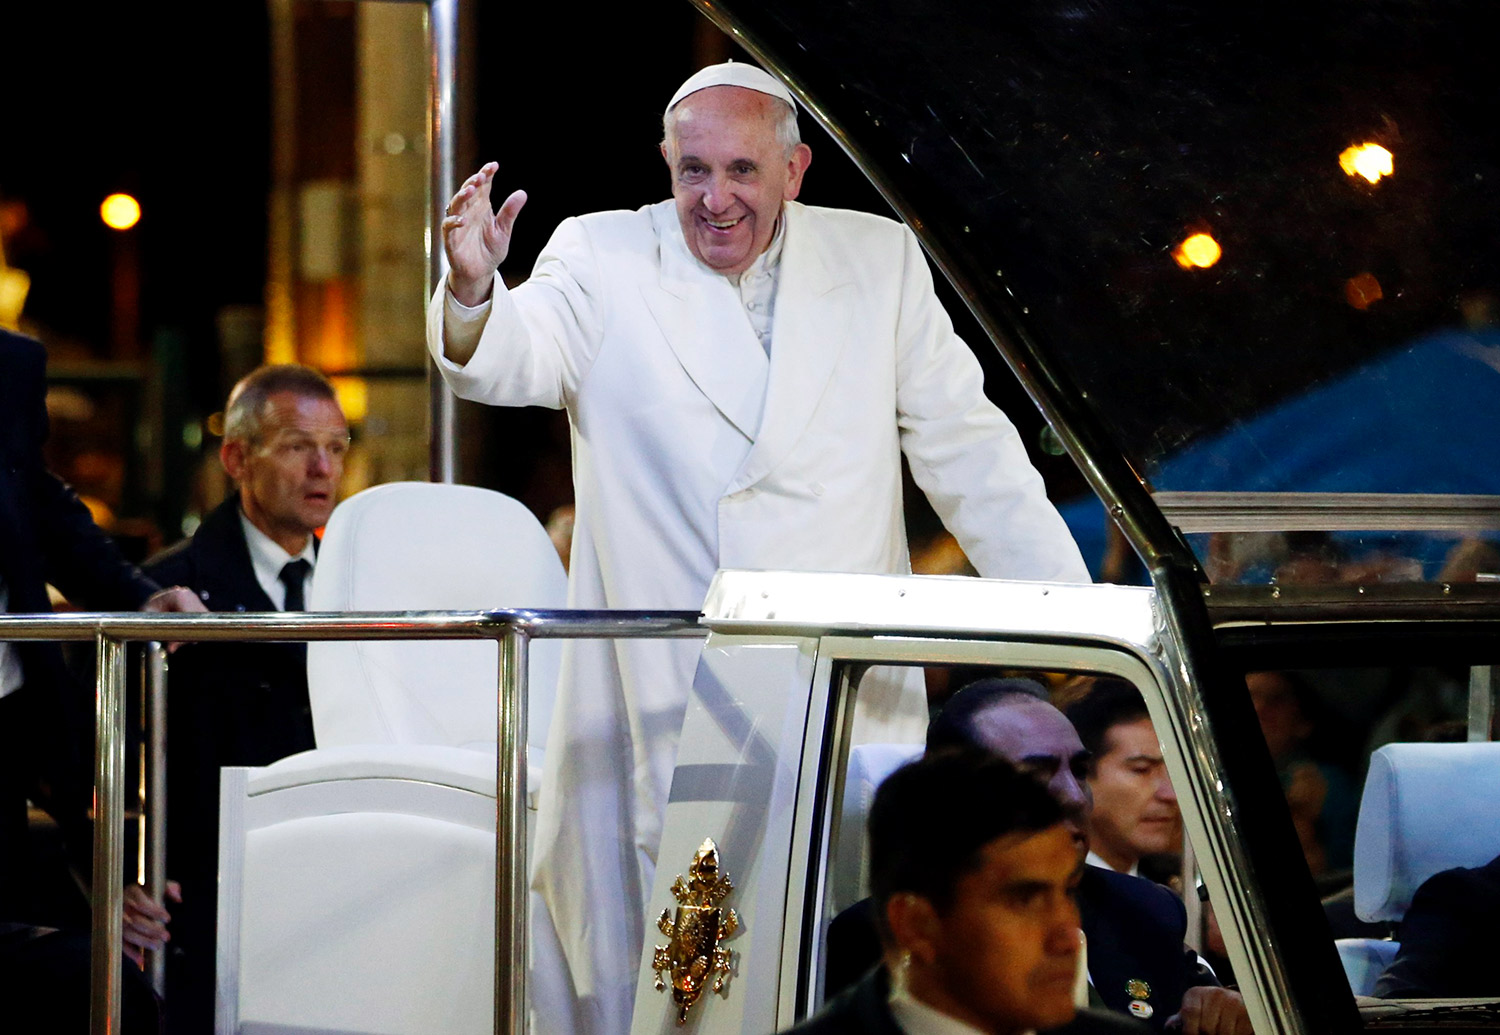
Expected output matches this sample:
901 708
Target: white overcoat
689 455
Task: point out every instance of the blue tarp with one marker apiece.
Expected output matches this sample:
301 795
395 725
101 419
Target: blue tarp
1422 418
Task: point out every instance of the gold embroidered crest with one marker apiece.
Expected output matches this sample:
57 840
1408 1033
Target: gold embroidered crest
693 954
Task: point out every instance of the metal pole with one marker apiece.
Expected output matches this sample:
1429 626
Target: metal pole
510 836
1481 703
109 829
1191 903
156 794
442 31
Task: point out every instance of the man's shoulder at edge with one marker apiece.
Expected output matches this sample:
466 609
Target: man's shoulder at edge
863 1008
180 563
1137 894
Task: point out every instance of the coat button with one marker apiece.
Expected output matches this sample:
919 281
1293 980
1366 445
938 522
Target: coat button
817 488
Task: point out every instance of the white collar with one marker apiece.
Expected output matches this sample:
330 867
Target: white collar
1094 859
915 1017
267 558
769 261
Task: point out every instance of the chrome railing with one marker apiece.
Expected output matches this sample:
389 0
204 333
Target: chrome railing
512 629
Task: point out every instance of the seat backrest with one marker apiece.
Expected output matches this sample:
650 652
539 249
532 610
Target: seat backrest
417 546
869 765
1425 808
1364 960
356 892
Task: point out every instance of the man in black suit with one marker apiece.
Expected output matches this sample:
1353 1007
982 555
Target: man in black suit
1136 818
1447 938
973 871
243 704
1133 929
48 536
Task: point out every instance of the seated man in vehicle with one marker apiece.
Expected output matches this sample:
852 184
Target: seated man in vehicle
1135 808
1447 938
974 871
1133 929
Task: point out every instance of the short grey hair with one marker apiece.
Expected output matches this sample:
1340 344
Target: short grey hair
248 399
787 133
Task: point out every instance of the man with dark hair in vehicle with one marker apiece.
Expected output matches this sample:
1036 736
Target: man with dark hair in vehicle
1133 929
1135 808
974 871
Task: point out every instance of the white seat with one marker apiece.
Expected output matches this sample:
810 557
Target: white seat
1364 960
356 893
869 765
1425 808
418 546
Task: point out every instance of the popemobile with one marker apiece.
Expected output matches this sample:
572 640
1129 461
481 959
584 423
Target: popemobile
1245 264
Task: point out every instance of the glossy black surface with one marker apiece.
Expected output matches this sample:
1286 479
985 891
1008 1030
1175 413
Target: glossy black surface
1061 151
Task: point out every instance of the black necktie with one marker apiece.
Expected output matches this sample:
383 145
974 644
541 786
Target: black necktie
291 577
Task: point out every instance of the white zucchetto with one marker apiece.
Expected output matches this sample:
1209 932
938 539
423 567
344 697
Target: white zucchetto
732 73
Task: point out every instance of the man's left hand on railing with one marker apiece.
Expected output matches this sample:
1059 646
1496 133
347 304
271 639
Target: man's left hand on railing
175 598
145 921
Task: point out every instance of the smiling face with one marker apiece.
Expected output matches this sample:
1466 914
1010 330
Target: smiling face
288 475
1135 807
1003 955
730 174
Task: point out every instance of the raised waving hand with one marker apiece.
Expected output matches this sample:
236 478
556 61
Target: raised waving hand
476 237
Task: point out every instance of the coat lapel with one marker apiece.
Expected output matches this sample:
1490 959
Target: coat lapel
814 299
224 560
700 315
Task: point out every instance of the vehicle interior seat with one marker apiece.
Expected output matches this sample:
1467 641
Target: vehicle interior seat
1425 808
411 546
869 764
356 894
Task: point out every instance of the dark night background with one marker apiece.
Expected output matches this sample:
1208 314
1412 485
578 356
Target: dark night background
1105 132
173 106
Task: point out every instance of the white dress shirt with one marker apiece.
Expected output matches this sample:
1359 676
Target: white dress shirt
1094 859
914 1017
268 558
757 287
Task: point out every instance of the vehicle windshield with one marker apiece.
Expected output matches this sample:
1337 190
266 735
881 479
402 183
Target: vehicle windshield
1264 244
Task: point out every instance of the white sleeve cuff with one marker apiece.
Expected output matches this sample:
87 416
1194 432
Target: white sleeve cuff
463 325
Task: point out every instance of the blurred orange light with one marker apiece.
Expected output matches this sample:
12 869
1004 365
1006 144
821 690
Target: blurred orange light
1362 291
354 397
120 212
1199 250
1368 160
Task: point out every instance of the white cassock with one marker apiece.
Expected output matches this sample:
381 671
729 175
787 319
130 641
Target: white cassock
692 451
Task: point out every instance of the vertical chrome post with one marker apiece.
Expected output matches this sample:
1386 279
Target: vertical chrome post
1481 703
109 830
510 836
442 32
1191 903
156 793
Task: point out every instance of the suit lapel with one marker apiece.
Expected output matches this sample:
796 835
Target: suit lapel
700 315
229 573
814 300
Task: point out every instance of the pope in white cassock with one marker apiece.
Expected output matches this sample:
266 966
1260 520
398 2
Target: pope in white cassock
741 374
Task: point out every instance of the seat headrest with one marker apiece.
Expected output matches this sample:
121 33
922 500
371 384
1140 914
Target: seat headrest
1426 808
869 765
